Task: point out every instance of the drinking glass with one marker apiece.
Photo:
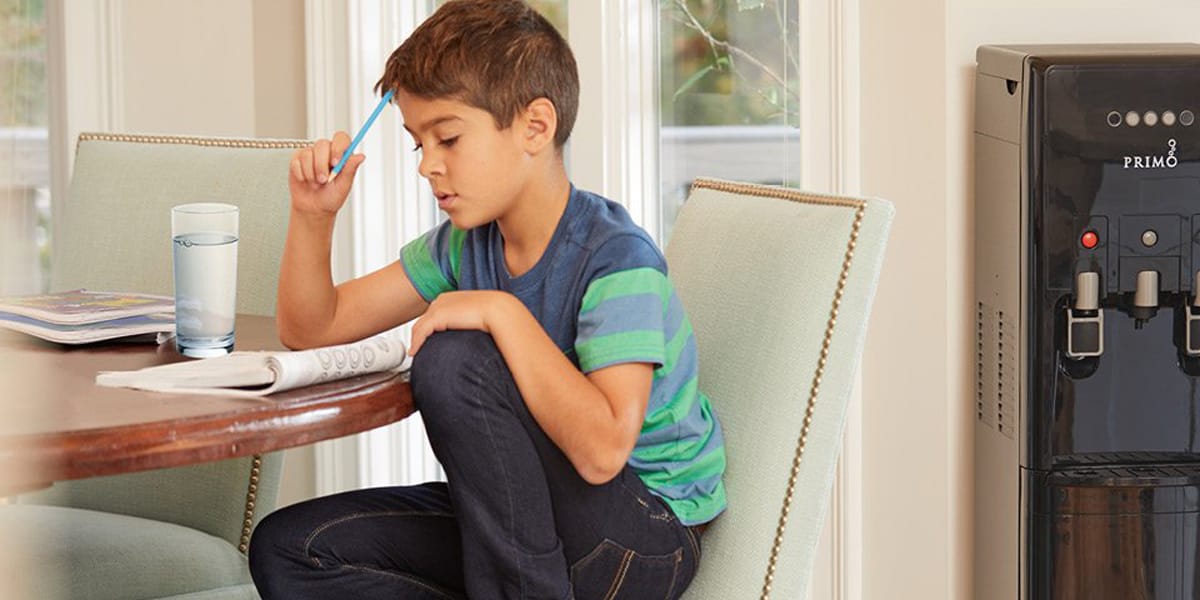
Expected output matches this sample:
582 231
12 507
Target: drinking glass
205 240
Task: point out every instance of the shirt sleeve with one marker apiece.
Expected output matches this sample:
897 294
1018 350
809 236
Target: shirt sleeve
621 319
432 260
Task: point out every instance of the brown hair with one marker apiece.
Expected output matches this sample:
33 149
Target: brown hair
495 55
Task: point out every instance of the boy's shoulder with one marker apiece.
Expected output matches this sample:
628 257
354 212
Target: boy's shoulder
606 231
602 222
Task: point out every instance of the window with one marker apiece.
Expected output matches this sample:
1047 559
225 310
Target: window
729 94
24 153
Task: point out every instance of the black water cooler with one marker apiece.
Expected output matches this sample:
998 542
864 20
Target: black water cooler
1087 237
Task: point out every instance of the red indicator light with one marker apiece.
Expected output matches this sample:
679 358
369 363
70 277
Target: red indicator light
1089 240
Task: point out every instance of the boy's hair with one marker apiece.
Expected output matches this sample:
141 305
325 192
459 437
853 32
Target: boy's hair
495 55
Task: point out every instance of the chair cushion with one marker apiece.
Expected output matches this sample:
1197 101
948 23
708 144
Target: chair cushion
87 554
237 592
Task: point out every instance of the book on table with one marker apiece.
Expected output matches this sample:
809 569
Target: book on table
254 374
86 316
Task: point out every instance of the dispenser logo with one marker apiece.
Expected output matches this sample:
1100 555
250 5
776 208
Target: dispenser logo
1168 161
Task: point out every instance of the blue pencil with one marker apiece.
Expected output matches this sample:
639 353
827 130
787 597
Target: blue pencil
361 132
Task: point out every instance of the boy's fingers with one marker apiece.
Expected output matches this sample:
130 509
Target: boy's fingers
415 343
351 167
306 166
321 160
341 141
297 170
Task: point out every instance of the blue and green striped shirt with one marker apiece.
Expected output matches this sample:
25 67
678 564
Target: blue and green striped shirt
602 294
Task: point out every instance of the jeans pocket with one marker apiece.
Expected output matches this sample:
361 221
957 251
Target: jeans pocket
613 572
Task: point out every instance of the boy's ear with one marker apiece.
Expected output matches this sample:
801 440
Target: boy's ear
540 122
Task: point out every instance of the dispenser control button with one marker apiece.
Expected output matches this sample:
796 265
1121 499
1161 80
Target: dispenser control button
1090 239
1150 118
1114 119
1132 118
1186 118
1149 238
1168 118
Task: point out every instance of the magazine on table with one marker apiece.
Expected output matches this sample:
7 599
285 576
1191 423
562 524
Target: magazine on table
85 316
255 374
143 328
78 307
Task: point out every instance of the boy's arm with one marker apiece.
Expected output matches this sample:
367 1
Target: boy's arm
594 419
310 311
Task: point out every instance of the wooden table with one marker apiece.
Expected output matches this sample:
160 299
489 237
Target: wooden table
56 424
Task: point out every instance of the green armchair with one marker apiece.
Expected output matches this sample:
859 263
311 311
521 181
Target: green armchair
778 285
182 532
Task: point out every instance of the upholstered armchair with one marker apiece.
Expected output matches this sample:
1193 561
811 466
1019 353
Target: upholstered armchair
778 284
179 532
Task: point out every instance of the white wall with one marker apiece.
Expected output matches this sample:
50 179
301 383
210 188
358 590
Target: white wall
917 82
907 495
212 67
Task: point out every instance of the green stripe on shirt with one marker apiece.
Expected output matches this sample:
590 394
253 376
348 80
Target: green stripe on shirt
645 280
675 410
646 345
457 236
423 270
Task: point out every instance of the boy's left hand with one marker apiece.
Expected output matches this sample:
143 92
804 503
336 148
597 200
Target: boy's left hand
457 310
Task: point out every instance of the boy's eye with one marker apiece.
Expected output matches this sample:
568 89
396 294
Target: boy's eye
449 142
417 147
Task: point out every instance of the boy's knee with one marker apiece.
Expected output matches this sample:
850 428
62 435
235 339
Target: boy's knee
447 357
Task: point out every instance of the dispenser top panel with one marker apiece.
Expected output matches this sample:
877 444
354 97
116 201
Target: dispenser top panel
1009 60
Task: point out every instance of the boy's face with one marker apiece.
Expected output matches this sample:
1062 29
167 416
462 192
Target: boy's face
476 170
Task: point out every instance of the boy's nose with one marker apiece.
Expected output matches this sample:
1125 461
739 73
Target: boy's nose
430 165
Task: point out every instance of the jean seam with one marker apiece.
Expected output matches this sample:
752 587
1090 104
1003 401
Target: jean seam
405 576
308 541
619 577
674 577
691 535
667 516
493 365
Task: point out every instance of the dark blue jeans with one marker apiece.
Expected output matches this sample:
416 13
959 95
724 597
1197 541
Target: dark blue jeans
515 520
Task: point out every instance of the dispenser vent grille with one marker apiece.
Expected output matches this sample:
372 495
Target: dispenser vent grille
995 370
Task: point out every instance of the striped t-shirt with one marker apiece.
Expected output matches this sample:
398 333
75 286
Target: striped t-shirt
601 292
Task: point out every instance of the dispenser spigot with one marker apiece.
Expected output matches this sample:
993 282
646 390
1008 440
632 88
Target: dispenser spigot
1085 320
1087 291
1145 297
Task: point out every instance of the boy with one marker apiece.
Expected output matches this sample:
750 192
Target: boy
554 368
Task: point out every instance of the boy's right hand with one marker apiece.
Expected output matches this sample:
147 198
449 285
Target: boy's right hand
308 179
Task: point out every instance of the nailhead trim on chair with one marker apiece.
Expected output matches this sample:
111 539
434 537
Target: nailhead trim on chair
195 141
251 497
860 211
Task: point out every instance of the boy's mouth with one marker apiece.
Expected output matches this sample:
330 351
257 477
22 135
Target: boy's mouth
444 199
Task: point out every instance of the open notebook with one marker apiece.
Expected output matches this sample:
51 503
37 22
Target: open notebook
253 374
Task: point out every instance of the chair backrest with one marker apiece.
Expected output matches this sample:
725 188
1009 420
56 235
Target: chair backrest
115 230
114 234
778 285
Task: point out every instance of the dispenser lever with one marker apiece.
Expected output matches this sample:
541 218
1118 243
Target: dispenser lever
1085 320
1192 330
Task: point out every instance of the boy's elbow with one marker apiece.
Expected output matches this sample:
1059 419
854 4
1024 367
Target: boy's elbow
291 337
603 469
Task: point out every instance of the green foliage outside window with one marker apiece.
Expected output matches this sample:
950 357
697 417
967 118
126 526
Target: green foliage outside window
23 63
729 62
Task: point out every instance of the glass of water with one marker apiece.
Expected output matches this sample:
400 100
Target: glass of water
205 237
